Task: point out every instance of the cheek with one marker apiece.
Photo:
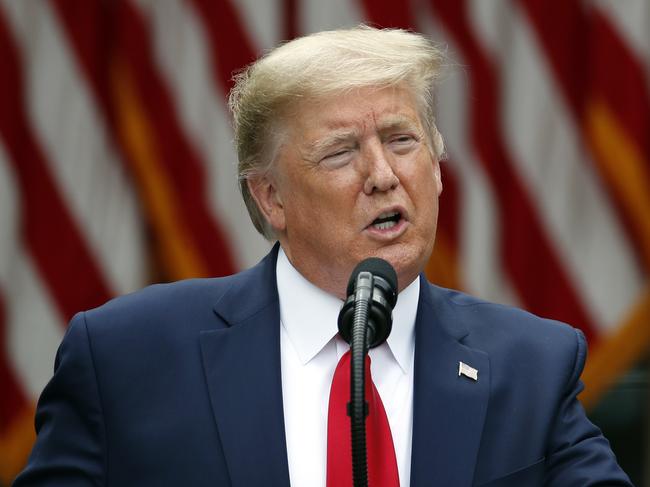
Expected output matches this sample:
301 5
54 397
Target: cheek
420 181
315 210
418 165
422 188
323 201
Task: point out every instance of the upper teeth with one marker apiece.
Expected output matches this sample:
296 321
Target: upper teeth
386 220
385 225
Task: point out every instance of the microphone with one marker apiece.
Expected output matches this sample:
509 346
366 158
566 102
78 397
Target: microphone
365 321
373 281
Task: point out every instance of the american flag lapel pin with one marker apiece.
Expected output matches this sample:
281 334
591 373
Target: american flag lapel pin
467 371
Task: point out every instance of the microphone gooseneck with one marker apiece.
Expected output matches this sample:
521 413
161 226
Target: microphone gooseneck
365 321
375 281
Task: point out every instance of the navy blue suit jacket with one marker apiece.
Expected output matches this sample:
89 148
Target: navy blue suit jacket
180 384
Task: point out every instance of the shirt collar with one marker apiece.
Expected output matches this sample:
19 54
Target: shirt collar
402 337
309 315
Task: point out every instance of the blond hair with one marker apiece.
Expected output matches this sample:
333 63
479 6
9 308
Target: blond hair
321 65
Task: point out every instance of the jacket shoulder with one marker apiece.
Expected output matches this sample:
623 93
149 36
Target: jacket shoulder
493 326
519 344
161 302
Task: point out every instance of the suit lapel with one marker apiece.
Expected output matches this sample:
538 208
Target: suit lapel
448 410
242 368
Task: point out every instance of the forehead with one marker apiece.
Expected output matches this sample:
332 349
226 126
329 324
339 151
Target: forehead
357 110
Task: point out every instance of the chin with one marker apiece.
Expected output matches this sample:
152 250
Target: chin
407 264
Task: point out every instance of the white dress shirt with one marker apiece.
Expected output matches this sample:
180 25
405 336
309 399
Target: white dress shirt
310 351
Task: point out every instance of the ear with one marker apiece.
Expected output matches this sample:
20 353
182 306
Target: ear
437 175
265 193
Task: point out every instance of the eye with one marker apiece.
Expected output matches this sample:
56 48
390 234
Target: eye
402 143
337 158
339 153
403 139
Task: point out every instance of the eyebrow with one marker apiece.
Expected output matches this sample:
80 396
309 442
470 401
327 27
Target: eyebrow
340 136
330 140
398 122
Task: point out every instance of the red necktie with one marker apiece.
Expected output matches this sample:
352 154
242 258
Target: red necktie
382 465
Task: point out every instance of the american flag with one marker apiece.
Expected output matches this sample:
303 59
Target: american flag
117 167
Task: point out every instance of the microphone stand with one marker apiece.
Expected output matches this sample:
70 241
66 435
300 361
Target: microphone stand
365 321
358 407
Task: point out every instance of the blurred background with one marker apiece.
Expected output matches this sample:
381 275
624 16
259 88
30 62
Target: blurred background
117 169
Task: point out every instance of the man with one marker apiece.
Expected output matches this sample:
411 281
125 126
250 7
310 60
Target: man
226 381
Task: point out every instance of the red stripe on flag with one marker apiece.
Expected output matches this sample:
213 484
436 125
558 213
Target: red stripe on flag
619 78
525 249
563 30
290 18
449 213
395 14
13 398
62 257
230 46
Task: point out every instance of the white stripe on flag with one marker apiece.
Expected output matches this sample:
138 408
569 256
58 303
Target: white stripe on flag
262 22
316 15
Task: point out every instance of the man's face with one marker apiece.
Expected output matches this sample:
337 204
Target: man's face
355 178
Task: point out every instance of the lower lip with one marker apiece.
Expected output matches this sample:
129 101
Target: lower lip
387 233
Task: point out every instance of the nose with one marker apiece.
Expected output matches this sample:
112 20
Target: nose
381 176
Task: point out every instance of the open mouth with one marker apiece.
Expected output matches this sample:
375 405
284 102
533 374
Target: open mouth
386 220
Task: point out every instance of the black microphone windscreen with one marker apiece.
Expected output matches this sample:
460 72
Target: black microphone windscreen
377 267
